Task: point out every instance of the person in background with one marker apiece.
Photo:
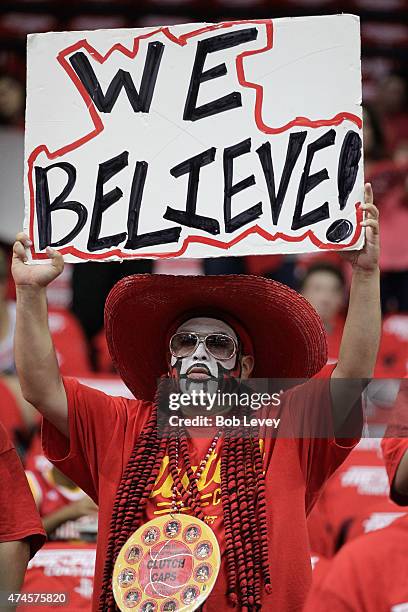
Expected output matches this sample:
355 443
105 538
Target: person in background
66 564
12 99
324 286
371 572
355 498
21 531
391 105
62 505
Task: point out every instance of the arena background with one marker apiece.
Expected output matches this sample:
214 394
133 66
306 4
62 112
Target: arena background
355 502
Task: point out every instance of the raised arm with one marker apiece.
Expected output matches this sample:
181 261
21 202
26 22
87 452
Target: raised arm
362 330
35 357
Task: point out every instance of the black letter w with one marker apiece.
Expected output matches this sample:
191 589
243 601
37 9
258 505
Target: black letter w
105 102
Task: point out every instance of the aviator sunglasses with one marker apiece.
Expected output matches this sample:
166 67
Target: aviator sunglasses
220 346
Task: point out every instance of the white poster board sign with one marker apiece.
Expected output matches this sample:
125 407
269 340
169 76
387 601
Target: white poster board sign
195 140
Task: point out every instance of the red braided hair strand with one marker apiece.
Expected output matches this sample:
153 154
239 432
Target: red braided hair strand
145 460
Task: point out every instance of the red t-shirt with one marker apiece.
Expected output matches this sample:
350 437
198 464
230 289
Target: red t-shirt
103 431
19 516
361 482
370 574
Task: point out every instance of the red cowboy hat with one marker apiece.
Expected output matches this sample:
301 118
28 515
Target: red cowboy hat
287 334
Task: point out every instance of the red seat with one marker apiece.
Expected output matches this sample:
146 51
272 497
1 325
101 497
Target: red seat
69 342
103 359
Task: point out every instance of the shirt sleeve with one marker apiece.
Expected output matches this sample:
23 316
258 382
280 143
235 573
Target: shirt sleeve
96 422
320 452
19 516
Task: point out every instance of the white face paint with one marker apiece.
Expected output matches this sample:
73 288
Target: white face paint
201 370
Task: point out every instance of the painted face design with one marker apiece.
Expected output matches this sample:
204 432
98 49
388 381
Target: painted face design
201 370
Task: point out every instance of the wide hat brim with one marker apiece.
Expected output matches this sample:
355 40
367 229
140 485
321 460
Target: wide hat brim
288 336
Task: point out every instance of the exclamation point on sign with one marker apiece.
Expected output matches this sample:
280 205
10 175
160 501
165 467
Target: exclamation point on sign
350 156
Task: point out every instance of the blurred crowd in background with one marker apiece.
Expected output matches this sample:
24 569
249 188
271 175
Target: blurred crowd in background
356 500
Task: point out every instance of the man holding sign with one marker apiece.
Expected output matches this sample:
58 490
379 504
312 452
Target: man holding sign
170 504
254 502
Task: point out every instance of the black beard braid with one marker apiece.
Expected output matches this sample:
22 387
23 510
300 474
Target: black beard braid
224 377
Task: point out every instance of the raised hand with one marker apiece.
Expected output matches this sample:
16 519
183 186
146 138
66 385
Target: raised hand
368 258
35 275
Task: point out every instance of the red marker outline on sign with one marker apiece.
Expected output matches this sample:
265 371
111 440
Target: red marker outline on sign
99 127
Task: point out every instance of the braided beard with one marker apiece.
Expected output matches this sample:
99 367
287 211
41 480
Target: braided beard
220 382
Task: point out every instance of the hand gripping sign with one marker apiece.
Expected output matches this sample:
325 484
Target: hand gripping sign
196 140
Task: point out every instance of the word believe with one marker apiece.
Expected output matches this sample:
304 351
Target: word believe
339 230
